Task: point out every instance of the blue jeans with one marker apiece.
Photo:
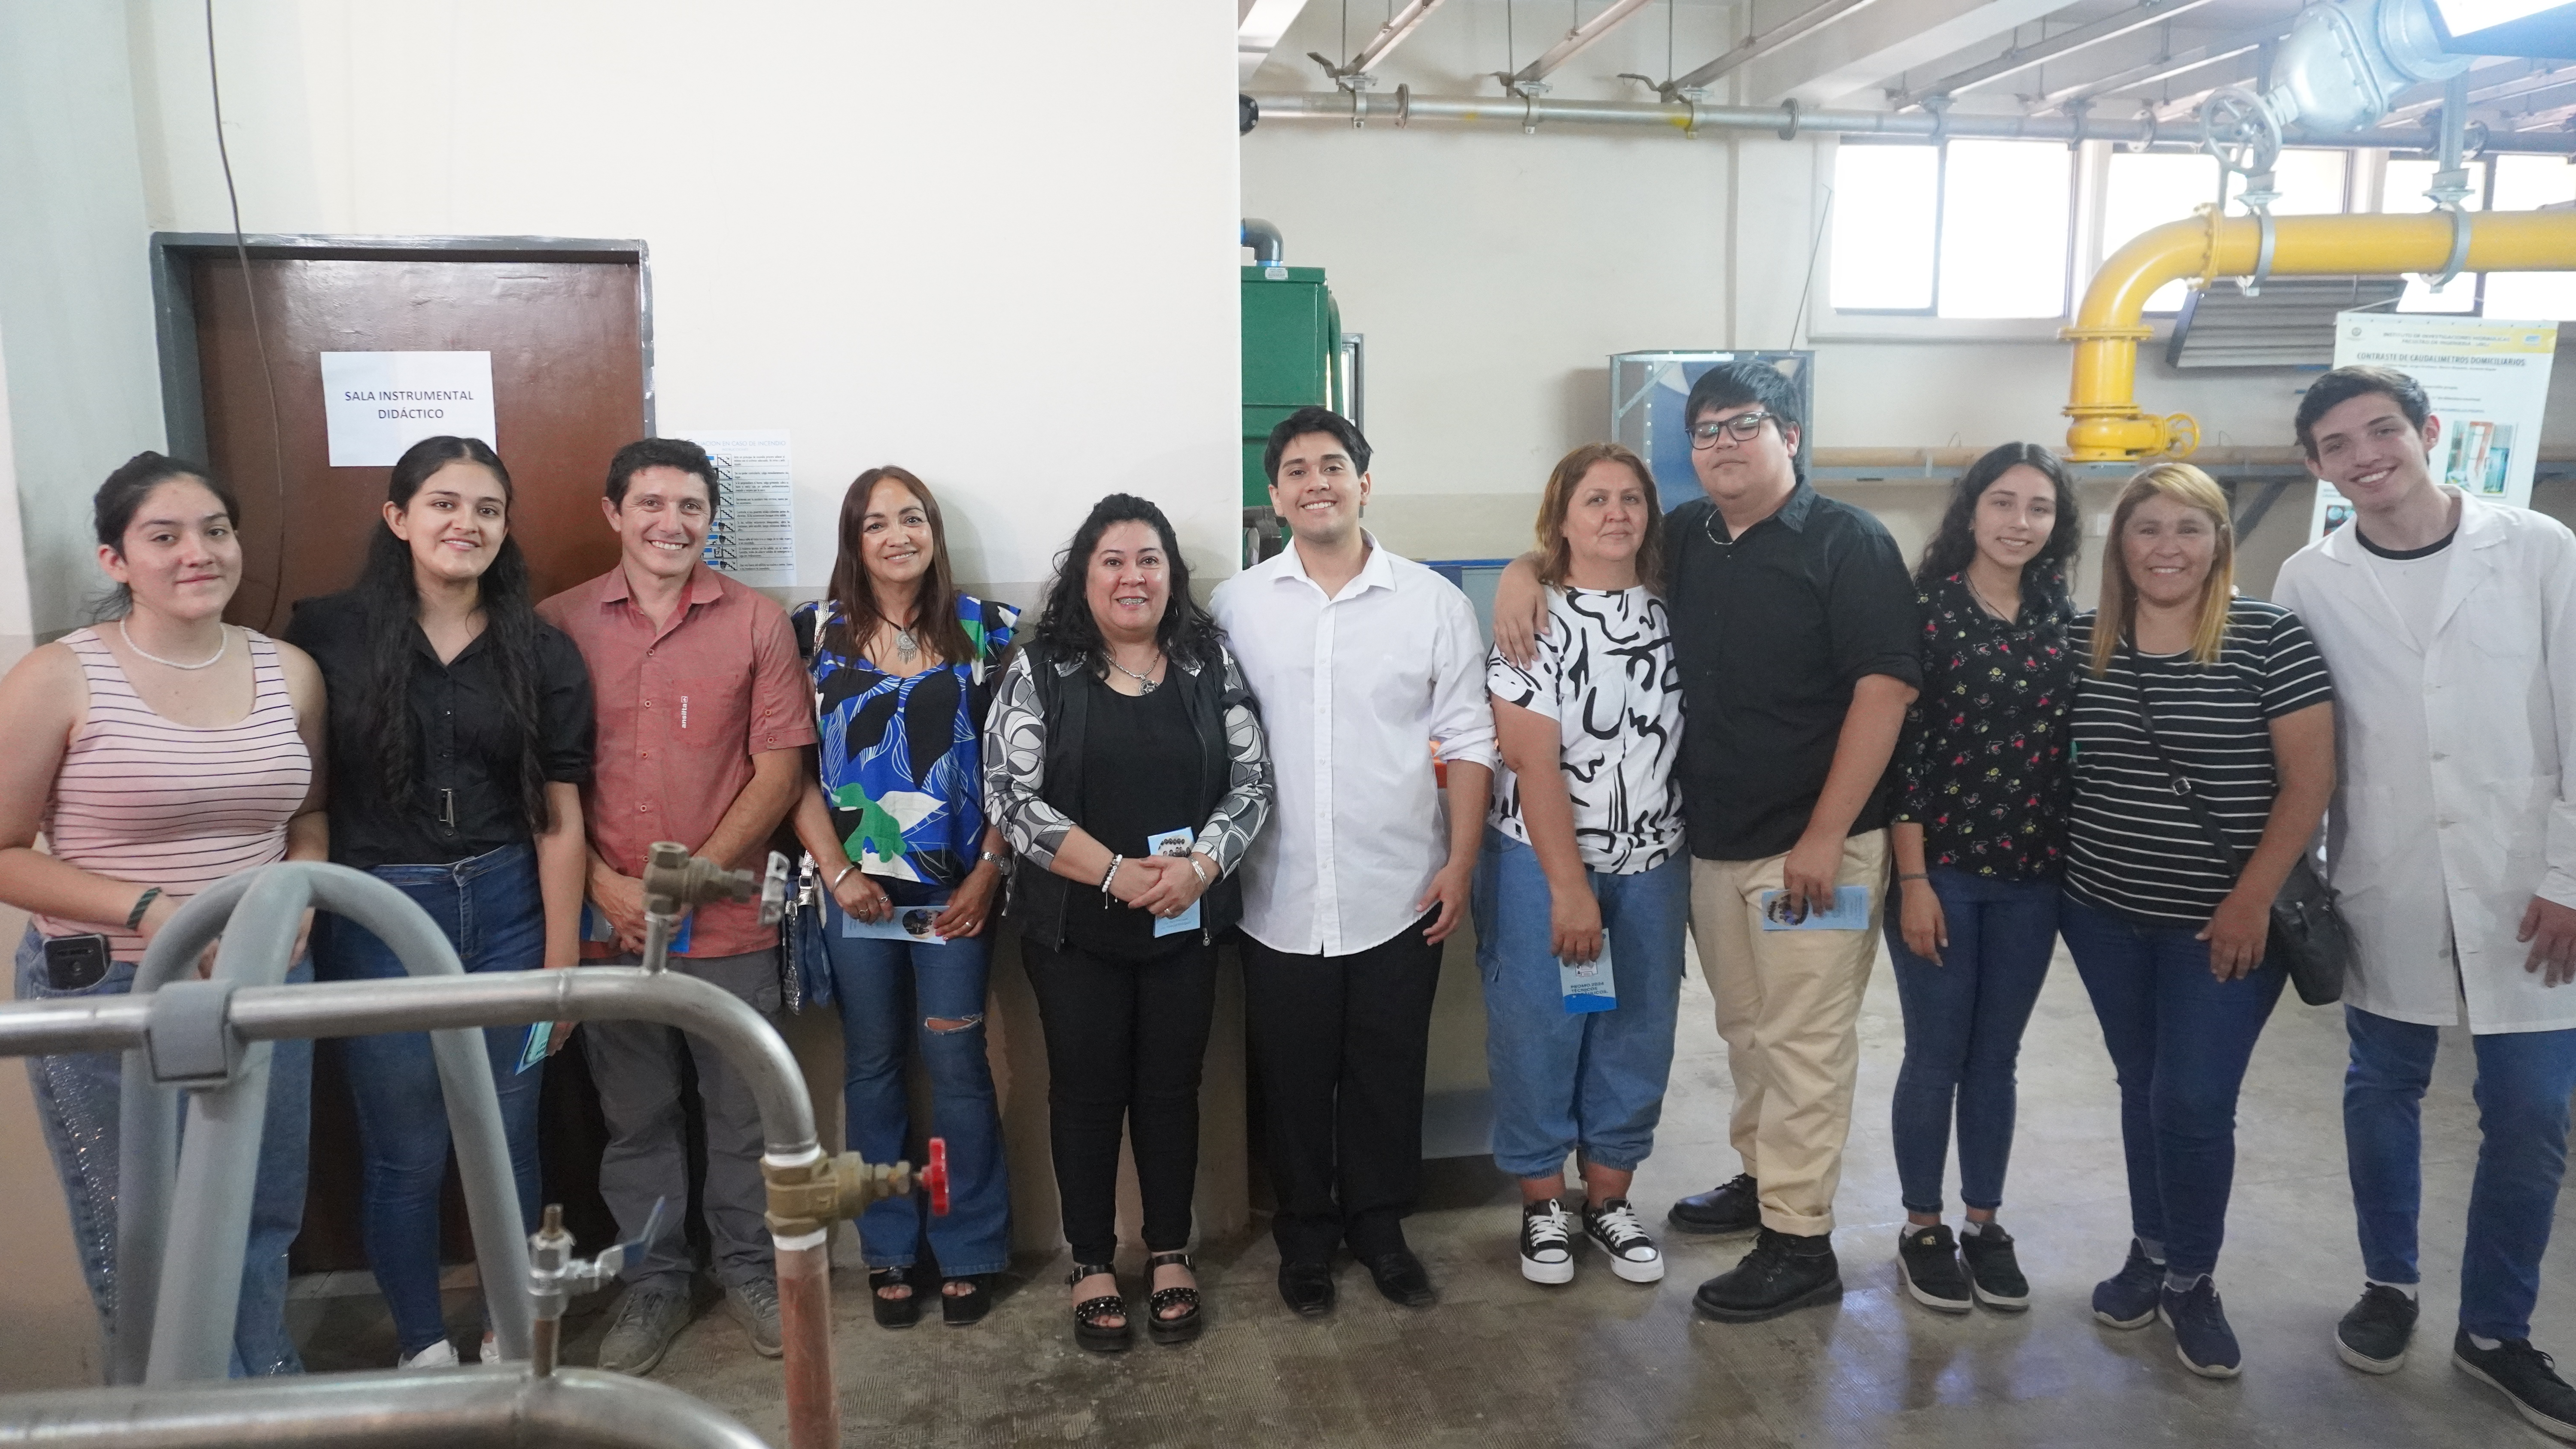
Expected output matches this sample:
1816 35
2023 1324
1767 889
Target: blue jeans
889 991
1588 1082
76 1103
490 908
2524 1078
2179 1039
1963 1023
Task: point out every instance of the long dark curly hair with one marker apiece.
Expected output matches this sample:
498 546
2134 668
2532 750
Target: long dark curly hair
390 596
1188 633
1954 543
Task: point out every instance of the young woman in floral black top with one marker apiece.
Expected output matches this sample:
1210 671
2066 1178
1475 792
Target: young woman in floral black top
1980 825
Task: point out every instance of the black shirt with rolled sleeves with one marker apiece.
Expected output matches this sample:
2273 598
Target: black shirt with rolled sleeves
465 793
1771 631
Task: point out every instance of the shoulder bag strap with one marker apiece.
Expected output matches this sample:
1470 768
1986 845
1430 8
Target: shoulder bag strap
2180 782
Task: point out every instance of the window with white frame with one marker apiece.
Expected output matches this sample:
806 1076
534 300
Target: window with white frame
1966 229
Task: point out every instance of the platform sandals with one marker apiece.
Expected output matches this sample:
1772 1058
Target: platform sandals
1088 1330
1175 1329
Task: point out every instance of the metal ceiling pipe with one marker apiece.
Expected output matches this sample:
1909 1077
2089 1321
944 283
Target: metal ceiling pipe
1359 108
2108 427
568 1409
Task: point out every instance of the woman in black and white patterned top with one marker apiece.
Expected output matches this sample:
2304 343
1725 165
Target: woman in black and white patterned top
1583 886
2189 693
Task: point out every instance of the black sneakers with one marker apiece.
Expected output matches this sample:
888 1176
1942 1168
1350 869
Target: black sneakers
1723 1210
2127 1299
2525 1375
1547 1243
1614 1229
1993 1270
1928 1260
1784 1272
2202 1338
2373 1336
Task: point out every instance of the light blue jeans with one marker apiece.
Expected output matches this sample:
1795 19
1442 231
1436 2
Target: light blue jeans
76 1102
1588 1082
888 992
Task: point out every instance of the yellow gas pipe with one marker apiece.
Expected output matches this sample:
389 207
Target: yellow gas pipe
2108 426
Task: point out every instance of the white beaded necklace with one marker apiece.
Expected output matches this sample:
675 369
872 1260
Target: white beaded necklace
208 662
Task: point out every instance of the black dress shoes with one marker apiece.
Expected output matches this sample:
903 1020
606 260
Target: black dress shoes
1784 1272
1728 1208
1307 1288
1401 1278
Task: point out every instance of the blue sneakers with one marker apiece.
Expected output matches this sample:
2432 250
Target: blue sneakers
2202 1339
2127 1299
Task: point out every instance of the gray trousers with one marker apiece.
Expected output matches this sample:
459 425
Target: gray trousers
636 1065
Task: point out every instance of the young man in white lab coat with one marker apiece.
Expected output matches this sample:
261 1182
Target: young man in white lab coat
2450 625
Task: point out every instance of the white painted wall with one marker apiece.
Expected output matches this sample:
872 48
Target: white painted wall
850 237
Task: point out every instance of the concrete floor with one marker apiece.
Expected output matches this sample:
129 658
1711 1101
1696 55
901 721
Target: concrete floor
1500 1363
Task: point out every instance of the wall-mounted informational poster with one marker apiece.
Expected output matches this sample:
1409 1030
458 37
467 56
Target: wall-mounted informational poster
2489 382
376 404
753 536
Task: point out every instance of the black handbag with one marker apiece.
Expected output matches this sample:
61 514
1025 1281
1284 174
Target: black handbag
2309 937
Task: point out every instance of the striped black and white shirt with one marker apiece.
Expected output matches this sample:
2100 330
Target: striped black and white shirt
2133 847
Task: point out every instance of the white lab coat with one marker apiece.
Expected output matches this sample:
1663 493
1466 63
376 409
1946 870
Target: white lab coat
2446 824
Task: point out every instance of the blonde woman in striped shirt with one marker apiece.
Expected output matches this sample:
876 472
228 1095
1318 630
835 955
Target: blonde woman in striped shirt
156 753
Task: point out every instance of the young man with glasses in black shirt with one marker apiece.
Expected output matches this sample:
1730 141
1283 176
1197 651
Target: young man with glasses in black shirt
1794 626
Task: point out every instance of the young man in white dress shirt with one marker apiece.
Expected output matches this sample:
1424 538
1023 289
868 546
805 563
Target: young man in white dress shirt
1366 665
2450 625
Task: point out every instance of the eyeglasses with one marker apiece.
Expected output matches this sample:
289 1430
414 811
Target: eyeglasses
1743 427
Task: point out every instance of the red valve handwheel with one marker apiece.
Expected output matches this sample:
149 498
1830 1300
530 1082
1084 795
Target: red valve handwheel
935 1177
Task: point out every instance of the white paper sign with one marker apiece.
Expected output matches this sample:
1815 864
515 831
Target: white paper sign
2488 379
376 404
753 536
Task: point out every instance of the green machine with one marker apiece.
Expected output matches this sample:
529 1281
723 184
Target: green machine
1292 357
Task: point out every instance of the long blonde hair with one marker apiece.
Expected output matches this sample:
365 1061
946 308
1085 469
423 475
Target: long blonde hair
2118 618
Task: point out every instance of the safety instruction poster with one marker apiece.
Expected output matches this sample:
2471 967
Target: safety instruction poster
753 536
2489 382
377 404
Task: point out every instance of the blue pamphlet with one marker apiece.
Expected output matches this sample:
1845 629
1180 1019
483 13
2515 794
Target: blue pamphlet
908 923
1588 985
1174 842
539 1034
1850 912
595 927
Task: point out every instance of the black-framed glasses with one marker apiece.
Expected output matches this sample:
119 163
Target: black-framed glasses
1743 428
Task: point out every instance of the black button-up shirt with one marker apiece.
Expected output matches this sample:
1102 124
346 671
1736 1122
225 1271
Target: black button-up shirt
1771 631
465 791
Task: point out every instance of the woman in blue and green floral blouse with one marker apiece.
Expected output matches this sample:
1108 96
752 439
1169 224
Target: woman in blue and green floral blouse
904 668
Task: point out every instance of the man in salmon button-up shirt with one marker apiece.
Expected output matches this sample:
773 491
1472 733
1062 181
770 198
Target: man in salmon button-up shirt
704 717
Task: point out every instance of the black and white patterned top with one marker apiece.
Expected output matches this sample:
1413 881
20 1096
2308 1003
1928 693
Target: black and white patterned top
2132 846
1015 740
1605 674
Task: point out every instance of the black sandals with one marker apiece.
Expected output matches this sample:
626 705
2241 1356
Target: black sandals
1088 1330
958 1310
901 1312
1180 1328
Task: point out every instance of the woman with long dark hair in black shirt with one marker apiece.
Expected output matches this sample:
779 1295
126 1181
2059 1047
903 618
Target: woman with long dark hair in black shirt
460 735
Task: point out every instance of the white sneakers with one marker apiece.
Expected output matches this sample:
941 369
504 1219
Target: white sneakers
441 1354
1547 1242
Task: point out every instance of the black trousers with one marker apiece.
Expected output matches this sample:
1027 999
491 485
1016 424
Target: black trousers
1125 1042
1340 1043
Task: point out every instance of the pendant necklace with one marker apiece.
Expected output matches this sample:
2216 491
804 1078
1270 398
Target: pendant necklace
1146 683
206 663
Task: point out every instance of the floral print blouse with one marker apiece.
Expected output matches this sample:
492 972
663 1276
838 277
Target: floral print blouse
1983 760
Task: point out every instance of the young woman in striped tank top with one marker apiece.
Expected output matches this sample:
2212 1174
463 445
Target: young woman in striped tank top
162 751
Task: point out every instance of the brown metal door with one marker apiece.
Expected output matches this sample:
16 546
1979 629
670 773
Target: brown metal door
568 387
566 332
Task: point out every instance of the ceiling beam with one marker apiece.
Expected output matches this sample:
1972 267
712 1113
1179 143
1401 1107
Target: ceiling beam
2066 42
1258 24
1398 28
1576 39
1888 43
1754 47
2149 72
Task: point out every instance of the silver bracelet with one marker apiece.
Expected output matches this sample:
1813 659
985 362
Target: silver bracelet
1193 859
844 875
1115 861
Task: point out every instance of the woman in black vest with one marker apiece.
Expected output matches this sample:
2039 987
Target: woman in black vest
1126 763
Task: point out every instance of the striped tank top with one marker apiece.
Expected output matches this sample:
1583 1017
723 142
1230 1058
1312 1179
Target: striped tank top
140 798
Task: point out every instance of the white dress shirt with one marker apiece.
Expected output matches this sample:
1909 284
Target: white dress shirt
1356 691
2453 737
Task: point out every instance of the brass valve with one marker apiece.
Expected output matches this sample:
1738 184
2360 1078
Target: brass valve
804 1198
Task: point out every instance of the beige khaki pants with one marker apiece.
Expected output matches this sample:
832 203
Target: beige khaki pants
1788 1008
